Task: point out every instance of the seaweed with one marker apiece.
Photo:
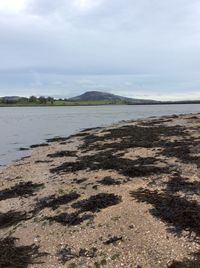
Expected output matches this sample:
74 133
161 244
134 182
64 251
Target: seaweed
15 256
194 262
54 201
97 202
132 136
91 253
79 181
185 264
64 139
113 240
154 122
107 161
182 151
71 219
178 212
11 218
109 181
91 129
62 154
21 189
43 161
93 204
178 183
66 253
39 145
23 149
57 139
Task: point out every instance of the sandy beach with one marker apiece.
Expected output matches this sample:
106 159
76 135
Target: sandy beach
127 195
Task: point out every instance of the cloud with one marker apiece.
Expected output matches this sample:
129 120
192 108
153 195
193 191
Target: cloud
131 45
12 6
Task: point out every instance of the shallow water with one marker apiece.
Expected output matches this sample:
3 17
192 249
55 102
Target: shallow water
23 126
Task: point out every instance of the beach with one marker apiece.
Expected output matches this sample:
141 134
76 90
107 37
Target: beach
126 195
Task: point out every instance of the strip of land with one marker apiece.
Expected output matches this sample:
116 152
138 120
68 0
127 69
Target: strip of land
71 103
127 195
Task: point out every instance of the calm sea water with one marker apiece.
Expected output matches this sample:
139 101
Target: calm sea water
21 127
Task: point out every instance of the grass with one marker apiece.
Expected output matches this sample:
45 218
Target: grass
61 103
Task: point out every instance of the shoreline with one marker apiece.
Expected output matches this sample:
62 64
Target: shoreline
96 104
25 150
104 196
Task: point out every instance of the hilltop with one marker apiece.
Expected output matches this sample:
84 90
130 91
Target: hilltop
85 99
104 96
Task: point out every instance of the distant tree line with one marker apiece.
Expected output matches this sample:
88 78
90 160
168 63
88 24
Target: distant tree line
26 100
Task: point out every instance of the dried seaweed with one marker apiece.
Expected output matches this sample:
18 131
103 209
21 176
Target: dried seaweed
113 240
178 183
193 262
132 136
11 218
66 253
62 154
39 145
22 189
107 161
79 181
97 202
54 201
109 181
71 218
13 256
179 213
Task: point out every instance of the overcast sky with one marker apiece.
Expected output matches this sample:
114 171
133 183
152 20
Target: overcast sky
135 48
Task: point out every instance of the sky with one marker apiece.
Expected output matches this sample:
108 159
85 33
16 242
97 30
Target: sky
134 48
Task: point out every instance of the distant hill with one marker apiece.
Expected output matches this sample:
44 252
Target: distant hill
103 96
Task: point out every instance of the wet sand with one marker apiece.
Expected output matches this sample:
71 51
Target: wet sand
127 195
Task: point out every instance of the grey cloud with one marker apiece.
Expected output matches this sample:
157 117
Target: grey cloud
155 43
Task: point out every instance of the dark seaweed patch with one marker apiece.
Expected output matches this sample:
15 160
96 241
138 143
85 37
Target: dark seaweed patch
146 137
93 204
178 183
132 136
79 181
11 218
57 139
39 145
185 264
176 211
91 253
91 129
43 161
22 189
23 149
97 202
194 262
71 218
62 154
109 181
182 151
66 254
54 201
108 161
154 122
113 240
63 139
13 256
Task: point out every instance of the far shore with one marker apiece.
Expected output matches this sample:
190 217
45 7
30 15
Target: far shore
99 104
126 195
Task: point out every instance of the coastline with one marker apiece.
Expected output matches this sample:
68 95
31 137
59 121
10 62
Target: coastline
126 195
102 104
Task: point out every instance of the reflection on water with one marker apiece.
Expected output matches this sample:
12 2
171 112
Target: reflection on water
22 126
